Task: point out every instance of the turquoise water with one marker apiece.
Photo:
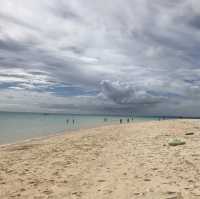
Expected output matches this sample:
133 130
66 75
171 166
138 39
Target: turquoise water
20 126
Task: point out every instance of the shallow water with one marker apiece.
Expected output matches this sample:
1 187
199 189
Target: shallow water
20 126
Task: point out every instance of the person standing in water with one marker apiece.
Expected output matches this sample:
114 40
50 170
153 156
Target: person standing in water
105 119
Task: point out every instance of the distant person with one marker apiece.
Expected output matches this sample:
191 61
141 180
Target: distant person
132 118
73 121
67 121
120 121
128 120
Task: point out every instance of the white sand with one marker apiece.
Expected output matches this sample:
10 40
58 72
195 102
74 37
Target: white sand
114 162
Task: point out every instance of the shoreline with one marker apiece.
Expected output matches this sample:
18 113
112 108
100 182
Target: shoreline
24 141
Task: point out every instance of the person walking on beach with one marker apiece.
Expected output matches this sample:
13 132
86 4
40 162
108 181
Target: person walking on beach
128 120
120 121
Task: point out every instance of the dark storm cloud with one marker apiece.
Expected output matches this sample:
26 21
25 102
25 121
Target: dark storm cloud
11 45
123 93
64 10
195 21
74 49
136 55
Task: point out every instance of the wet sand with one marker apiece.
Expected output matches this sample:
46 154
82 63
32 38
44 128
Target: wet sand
118 161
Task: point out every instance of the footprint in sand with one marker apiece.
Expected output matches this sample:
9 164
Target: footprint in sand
47 192
101 180
174 195
56 173
77 193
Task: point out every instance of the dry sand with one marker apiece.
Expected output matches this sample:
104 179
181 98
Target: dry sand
113 162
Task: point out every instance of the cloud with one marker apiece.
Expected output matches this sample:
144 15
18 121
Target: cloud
123 93
98 56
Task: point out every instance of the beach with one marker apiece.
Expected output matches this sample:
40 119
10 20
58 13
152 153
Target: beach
116 161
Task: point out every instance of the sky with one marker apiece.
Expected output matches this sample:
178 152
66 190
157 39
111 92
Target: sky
100 56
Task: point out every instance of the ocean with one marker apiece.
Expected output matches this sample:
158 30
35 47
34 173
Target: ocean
16 127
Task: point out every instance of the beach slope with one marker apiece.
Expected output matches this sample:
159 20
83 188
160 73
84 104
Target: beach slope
118 161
